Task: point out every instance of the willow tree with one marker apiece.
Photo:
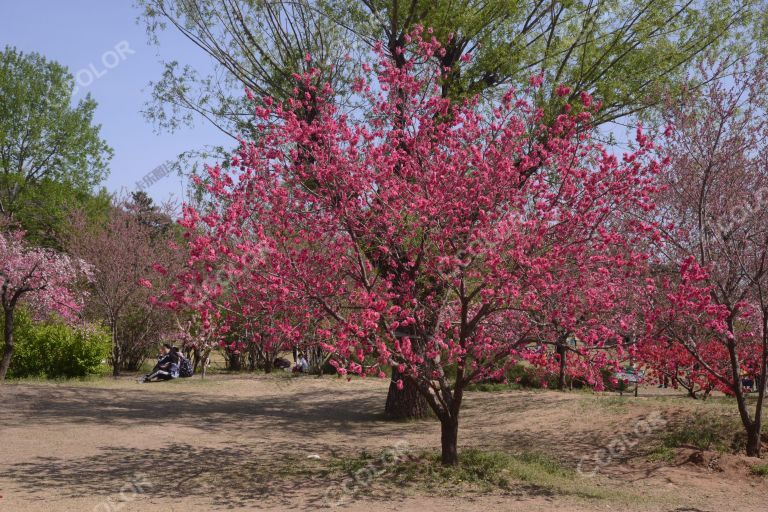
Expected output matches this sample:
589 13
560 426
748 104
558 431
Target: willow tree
624 53
253 45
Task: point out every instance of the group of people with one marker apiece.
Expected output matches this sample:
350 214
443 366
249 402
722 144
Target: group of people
301 366
171 364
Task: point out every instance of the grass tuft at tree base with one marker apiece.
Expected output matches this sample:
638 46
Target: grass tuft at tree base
478 471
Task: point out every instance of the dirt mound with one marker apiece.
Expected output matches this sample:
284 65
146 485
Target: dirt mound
728 465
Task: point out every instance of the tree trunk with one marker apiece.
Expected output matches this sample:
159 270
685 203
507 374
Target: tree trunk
751 427
561 377
197 357
116 353
406 403
753 441
8 349
233 362
449 436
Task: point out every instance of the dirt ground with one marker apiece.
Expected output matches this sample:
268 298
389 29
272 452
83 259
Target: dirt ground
261 443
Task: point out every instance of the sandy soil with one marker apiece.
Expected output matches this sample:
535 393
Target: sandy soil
245 444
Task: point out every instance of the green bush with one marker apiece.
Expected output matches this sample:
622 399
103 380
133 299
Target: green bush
56 349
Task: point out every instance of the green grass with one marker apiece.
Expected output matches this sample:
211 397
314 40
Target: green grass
502 470
759 470
662 453
493 387
704 433
480 471
609 404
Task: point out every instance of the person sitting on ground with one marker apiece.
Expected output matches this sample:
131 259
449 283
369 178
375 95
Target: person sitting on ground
281 363
302 366
167 366
186 368
162 360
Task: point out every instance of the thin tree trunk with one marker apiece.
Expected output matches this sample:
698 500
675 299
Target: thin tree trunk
753 440
205 354
449 436
751 427
754 437
9 343
116 352
197 357
561 377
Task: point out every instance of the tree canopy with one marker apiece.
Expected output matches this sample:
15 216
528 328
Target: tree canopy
623 52
51 151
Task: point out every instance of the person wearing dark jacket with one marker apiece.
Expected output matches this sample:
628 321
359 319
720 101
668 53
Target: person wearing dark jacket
167 366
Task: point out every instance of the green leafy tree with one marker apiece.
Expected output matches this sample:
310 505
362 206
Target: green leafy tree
51 153
45 210
623 52
253 45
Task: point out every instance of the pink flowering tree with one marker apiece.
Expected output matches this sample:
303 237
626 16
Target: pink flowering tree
672 365
425 235
587 322
43 280
196 341
715 212
131 252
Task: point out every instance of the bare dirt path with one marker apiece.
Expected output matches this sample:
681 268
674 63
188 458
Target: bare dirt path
266 443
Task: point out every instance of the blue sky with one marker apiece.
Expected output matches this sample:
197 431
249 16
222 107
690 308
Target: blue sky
84 33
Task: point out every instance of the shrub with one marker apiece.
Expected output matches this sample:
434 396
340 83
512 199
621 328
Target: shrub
56 349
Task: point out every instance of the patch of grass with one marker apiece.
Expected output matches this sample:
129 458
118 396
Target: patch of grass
483 471
500 469
759 470
704 433
55 381
662 454
609 404
493 387
353 464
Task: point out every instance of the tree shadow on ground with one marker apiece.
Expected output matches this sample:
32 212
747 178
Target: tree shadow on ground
229 477
244 474
301 412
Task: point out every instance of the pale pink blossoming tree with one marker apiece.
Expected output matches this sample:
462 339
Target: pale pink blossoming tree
715 214
43 280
